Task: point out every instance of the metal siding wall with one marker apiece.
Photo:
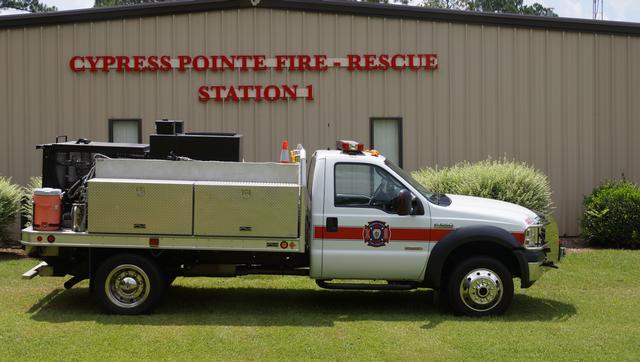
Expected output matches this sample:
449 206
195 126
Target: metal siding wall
562 101
5 90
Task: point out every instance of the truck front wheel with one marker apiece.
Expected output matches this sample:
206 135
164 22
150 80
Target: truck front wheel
129 284
480 286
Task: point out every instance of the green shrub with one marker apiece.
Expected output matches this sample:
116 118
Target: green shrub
26 210
612 215
10 195
505 180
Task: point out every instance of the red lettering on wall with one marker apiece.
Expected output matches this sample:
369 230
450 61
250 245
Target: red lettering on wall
165 63
321 62
73 64
245 91
384 61
183 61
203 93
258 63
395 60
258 89
122 63
93 63
218 92
107 62
152 64
310 92
354 62
200 63
228 63
290 92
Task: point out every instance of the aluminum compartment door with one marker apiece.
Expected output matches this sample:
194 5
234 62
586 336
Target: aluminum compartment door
267 210
369 242
154 207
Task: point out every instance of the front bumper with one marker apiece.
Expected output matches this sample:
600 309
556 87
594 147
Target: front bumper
542 258
539 261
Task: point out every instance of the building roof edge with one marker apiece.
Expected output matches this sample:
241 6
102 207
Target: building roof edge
326 6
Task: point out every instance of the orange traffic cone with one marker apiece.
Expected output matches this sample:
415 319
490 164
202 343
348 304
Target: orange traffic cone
284 152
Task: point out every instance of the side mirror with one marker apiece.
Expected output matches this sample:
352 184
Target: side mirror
404 202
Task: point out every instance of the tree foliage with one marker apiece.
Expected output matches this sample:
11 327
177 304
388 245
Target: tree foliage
404 2
105 3
442 4
32 6
492 6
612 215
10 196
502 179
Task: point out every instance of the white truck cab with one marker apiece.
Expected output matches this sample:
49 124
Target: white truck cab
357 218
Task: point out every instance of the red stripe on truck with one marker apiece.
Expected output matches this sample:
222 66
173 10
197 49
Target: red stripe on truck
407 234
355 233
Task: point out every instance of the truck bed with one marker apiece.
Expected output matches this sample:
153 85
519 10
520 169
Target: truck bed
69 238
196 205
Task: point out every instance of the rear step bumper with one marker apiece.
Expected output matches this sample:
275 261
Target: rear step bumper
40 269
361 286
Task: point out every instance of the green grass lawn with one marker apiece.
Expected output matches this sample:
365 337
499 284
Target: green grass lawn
587 310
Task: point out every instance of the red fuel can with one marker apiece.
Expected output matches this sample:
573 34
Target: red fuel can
47 209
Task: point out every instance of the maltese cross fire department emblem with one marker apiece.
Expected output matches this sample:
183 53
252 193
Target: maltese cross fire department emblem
376 233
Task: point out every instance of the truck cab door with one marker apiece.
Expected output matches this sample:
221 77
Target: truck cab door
363 235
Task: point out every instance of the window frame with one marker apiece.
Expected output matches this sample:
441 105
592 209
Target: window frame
112 121
335 165
400 132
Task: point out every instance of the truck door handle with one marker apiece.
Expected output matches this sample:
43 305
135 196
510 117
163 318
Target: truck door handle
332 224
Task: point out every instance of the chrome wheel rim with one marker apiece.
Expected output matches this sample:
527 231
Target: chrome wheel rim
127 286
481 290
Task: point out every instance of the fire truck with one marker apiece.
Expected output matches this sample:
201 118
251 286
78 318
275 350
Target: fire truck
348 218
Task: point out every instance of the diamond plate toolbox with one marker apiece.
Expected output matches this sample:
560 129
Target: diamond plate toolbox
131 206
250 209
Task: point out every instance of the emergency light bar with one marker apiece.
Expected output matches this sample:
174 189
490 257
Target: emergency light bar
350 147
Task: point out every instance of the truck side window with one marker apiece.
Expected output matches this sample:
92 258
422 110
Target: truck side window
363 185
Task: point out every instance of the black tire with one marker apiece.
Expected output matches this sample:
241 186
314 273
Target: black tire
479 286
129 284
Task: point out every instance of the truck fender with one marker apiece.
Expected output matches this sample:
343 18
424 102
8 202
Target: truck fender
465 236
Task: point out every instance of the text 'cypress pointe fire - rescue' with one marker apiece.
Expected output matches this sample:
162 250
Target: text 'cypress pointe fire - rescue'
255 63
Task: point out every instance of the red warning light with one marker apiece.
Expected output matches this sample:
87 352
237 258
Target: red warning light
284 244
51 238
351 147
39 238
154 242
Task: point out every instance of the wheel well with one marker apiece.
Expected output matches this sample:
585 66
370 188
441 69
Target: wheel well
98 255
482 248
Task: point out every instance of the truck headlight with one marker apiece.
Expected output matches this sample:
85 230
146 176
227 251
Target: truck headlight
534 236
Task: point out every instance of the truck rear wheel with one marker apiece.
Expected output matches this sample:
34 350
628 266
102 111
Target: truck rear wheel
480 286
129 284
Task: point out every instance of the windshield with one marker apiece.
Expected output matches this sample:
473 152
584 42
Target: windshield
407 177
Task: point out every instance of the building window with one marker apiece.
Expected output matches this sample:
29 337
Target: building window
125 130
386 137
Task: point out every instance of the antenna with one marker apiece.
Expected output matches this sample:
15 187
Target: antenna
598 9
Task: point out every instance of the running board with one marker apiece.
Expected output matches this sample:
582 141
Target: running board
363 286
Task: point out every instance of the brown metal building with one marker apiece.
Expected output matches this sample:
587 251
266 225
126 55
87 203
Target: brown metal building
561 94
